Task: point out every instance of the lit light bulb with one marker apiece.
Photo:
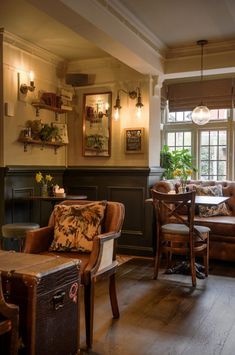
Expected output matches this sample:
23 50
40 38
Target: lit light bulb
138 112
116 114
31 76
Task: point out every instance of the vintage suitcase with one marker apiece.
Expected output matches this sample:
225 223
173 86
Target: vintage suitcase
46 288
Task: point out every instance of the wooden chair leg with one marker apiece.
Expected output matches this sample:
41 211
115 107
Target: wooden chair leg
89 312
157 259
113 296
206 258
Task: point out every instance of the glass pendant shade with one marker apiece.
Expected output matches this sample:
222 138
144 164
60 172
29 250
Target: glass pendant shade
201 115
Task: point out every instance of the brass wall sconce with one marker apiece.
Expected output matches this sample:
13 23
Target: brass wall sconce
24 88
135 94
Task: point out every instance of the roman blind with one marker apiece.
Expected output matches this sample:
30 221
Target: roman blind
214 94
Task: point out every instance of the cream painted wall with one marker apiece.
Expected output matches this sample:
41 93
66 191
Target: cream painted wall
17 60
110 75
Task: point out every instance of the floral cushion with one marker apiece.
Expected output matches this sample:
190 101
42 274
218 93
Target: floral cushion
208 211
76 226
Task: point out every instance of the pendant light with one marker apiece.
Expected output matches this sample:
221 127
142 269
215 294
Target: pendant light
201 113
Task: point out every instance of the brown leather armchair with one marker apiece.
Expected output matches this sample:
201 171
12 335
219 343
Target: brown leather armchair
9 322
100 263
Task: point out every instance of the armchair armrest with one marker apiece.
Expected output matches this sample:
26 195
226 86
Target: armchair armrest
38 240
103 256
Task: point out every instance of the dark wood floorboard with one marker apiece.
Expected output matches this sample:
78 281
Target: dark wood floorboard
165 316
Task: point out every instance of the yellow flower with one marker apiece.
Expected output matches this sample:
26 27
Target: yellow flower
177 172
188 172
39 177
43 179
49 178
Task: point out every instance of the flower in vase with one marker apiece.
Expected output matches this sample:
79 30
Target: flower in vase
45 181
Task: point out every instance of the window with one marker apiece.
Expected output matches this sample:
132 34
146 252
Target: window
213 155
208 144
179 140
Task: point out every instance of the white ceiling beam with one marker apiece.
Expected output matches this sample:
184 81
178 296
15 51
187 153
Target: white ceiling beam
97 24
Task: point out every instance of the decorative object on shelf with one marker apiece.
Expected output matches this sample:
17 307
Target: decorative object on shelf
134 140
97 124
44 134
46 183
24 88
132 95
201 113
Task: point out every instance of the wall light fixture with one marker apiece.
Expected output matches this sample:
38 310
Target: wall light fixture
24 88
135 94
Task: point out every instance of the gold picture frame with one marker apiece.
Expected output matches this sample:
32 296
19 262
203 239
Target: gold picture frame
97 109
134 140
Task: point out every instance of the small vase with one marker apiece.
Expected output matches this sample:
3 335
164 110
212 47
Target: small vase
44 190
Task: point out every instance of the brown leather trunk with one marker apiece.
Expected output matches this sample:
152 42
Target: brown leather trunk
46 288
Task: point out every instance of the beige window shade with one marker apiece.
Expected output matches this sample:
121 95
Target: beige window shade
214 94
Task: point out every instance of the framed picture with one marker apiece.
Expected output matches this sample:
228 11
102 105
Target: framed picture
134 140
97 110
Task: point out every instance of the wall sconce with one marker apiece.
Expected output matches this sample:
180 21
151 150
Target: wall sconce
132 95
24 88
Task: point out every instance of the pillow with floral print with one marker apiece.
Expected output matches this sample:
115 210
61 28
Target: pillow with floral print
76 226
209 211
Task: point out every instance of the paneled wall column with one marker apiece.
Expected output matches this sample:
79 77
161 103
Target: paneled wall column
155 84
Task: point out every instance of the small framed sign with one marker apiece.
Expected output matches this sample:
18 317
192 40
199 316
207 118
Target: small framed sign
134 140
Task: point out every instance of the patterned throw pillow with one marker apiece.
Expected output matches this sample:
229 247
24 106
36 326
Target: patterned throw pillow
76 226
209 211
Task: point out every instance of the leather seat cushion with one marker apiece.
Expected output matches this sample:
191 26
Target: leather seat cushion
219 225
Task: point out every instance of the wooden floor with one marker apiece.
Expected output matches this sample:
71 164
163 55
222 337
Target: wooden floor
165 316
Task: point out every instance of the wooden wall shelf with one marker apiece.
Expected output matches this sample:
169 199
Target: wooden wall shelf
57 110
29 141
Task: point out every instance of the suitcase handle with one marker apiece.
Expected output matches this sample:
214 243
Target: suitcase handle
58 300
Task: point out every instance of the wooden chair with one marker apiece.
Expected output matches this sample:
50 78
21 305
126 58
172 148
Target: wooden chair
100 263
9 322
177 234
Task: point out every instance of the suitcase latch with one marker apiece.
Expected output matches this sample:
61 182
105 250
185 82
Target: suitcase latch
58 300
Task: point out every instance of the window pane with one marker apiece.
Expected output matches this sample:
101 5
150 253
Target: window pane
222 153
213 153
213 138
213 157
188 116
204 153
171 117
179 116
171 139
222 138
187 139
205 138
222 168
179 139
204 168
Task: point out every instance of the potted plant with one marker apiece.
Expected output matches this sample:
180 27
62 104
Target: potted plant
177 164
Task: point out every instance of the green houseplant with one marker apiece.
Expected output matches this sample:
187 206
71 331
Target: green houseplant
177 163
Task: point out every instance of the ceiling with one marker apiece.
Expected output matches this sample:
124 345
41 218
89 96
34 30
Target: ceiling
165 24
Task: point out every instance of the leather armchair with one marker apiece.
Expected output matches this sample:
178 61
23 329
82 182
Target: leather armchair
100 263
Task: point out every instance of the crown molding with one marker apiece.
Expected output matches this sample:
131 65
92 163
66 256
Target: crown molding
29 47
133 24
195 50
